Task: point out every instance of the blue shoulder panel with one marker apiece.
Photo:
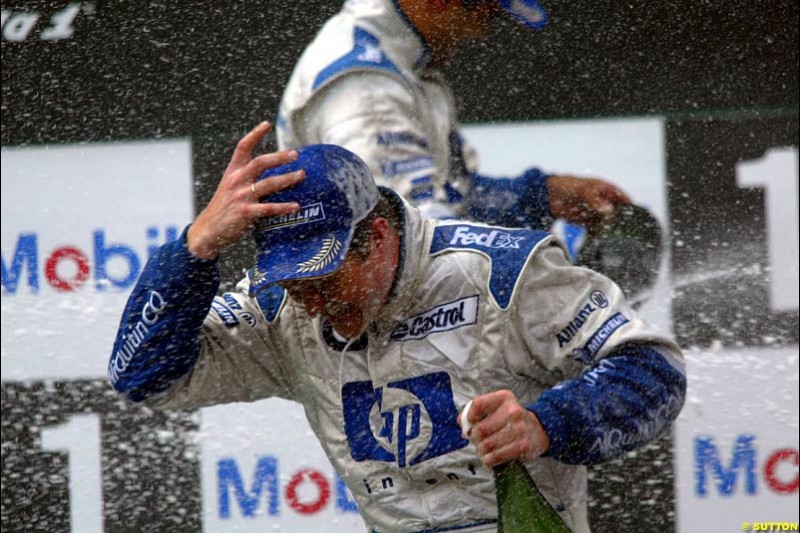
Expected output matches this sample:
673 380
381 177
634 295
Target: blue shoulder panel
508 250
366 53
270 301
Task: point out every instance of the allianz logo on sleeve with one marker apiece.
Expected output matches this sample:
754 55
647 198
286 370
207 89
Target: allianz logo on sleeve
444 317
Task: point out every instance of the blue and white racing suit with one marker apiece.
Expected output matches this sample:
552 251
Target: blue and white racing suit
364 83
474 309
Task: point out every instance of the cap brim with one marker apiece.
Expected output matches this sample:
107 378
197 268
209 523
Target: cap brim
299 259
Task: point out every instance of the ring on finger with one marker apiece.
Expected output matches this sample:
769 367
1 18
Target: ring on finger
253 188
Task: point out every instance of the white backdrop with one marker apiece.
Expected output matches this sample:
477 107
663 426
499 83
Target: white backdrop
107 203
737 439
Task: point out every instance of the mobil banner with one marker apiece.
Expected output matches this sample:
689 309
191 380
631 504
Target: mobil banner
262 468
736 461
79 223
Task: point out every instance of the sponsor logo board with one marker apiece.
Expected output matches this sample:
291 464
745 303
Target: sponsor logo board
443 317
269 473
75 237
736 443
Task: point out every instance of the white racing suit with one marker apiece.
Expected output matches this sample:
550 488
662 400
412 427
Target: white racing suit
364 84
474 309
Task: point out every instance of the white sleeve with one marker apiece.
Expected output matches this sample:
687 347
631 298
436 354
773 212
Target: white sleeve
376 116
571 317
241 359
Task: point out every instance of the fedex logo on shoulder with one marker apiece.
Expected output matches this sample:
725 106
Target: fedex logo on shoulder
491 238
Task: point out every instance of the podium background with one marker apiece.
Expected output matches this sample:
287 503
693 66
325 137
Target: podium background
118 117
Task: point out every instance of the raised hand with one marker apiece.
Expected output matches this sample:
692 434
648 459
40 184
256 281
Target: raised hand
236 204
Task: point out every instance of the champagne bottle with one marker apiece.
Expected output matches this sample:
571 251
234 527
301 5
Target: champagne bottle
521 507
628 250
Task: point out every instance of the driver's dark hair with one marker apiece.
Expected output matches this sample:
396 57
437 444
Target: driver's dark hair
385 208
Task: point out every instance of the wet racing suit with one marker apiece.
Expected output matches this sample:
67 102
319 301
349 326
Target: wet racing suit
364 83
473 309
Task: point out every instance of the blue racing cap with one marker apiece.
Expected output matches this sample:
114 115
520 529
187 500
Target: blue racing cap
527 12
337 193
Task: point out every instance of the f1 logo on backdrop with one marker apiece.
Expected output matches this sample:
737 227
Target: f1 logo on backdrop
407 421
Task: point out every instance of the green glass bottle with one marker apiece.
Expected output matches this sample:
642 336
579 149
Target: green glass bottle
521 508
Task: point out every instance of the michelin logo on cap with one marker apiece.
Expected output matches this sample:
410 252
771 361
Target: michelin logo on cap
307 213
336 194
